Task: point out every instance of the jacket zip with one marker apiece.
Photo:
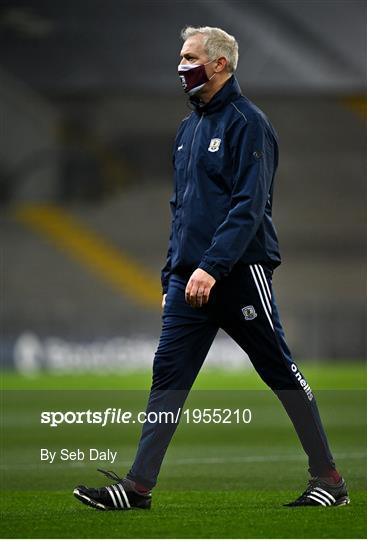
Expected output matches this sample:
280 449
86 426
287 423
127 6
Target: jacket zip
187 170
192 142
190 156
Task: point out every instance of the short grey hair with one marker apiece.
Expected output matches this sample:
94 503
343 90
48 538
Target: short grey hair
216 43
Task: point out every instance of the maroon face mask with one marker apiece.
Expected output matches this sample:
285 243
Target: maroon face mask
193 77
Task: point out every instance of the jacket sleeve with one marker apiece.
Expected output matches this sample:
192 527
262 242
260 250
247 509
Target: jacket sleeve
254 156
166 270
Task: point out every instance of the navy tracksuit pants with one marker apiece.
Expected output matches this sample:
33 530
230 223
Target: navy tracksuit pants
243 305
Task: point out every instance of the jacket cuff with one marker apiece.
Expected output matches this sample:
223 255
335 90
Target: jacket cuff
214 273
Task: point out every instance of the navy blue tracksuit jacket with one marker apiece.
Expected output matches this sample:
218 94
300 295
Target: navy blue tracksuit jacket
225 158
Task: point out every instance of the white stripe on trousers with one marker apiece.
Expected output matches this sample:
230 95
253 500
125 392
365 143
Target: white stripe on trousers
265 292
262 293
265 280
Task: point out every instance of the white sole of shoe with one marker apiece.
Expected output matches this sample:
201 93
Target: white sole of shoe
88 501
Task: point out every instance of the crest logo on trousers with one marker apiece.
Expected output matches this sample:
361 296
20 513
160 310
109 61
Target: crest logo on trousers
249 313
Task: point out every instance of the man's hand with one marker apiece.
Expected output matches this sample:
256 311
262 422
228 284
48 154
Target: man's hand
164 300
198 288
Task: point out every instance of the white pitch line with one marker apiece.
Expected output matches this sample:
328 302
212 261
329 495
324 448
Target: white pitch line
198 461
256 459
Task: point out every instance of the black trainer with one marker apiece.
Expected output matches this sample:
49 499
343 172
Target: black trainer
119 496
320 493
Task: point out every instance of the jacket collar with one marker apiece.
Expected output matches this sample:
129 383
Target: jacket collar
230 91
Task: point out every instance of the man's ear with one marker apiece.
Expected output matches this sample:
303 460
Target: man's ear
221 64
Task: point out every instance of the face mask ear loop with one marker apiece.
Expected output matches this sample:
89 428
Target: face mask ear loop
210 61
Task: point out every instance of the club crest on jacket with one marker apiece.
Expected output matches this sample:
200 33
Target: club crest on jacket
214 145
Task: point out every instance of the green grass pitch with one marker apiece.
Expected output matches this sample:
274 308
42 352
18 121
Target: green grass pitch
216 482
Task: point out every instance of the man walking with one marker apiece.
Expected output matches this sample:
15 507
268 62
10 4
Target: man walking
223 249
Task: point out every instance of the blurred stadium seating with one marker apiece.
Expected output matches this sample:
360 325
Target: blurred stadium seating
90 101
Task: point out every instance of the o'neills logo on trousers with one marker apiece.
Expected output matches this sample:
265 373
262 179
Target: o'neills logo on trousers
302 382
